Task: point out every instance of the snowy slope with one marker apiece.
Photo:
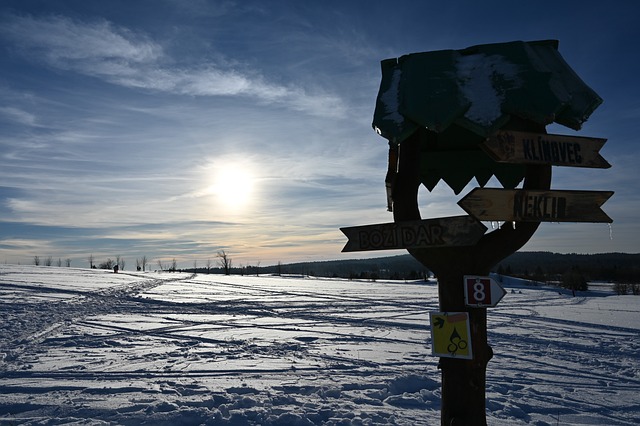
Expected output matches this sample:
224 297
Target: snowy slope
83 346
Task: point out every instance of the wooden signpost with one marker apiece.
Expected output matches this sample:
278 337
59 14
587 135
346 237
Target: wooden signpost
433 113
441 232
507 146
494 204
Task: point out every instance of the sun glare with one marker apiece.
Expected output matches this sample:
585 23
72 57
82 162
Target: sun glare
233 185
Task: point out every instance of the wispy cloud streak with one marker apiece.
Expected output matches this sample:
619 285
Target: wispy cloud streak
120 56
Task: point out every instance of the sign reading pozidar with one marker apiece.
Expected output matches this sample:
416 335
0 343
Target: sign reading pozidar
482 291
495 204
451 335
440 232
535 148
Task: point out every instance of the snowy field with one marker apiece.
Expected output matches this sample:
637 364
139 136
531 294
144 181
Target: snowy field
81 346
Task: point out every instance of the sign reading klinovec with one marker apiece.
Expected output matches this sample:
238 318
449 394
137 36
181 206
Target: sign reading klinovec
508 146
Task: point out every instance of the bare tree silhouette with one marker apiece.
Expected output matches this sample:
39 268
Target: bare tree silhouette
225 262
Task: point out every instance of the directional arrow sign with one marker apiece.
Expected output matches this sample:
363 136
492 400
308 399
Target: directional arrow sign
440 232
522 205
451 335
482 291
508 146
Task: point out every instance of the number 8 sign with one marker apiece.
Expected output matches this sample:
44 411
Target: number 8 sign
482 291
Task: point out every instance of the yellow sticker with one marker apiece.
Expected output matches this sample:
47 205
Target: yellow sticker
450 335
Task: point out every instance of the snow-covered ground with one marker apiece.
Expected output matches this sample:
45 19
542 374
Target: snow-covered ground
81 346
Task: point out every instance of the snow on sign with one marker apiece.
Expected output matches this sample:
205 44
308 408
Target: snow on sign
451 335
482 291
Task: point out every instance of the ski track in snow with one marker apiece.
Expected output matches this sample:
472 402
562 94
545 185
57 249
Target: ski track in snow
83 346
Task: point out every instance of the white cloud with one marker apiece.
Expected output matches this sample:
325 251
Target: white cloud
18 115
123 57
67 43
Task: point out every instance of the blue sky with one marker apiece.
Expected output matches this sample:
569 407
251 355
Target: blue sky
176 129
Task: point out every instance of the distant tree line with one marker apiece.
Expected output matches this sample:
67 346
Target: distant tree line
224 266
574 271
48 261
402 267
142 263
627 288
107 264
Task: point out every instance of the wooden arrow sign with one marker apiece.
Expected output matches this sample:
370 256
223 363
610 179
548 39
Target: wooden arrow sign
508 146
440 232
521 205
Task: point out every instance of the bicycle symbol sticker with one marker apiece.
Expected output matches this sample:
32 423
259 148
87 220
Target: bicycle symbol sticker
450 335
457 343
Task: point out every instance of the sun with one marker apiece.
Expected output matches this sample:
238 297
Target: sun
233 185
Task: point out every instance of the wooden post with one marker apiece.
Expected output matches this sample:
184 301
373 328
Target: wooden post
463 381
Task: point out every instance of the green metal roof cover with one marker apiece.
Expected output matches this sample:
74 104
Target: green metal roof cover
462 96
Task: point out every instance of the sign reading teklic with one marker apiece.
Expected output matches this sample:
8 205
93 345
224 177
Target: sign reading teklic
521 205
